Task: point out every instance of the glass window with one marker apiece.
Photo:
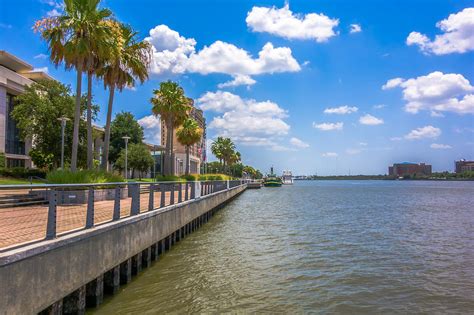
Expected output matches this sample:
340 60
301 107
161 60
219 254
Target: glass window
13 144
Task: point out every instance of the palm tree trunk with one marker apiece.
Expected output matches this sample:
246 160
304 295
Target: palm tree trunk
187 160
77 119
172 151
90 153
105 155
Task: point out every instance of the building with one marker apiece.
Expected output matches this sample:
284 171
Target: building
463 165
197 152
15 75
409 169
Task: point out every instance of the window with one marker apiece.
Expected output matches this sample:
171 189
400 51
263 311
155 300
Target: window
13 144
15 163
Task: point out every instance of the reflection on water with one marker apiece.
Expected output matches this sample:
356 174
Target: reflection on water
325 246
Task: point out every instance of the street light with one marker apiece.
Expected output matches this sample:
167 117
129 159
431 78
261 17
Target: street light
126 138
63 121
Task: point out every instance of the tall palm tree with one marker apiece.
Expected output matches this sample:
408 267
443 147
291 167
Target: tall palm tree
173 106
228 149
189 134
128 61
217 149
71 38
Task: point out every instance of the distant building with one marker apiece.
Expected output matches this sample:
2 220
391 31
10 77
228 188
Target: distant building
410 169
15 75
197 152
462 166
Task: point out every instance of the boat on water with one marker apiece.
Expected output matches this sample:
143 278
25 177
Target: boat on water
272 180
287 178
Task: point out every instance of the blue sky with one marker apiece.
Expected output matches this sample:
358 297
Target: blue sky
291 84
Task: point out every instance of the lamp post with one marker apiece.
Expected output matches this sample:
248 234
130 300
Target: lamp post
154 162
126 138
63 121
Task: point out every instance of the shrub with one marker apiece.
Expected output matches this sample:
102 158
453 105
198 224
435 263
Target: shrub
82 177
189 178
2 160
20 172
169 178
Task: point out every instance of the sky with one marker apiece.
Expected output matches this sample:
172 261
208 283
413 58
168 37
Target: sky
318 87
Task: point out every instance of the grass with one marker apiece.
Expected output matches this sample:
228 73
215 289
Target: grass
17 181
82 177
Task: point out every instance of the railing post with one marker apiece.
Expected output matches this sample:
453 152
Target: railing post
180 192
172 194
135 191
51 224
116 215
90 208
163 195
193 190
228 184
151 200
186 192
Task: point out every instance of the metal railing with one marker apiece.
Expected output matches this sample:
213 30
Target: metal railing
30 213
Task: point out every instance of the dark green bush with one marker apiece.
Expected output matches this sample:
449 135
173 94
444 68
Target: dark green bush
169 178
20 172
82 177
189 178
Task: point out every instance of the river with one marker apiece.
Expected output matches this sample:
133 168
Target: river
323 247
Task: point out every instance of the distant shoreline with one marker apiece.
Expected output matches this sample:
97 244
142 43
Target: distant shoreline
383 178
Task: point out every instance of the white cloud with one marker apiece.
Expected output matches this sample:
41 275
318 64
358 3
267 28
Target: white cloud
329 154
42 69
370 120
438 146
329 126
353 151
237 81
173 53
355 28
423 133
436 92
341 110
457 37
41 56
298 143
364 144
152 128
281 148
380 106
282 22
53 12
246 121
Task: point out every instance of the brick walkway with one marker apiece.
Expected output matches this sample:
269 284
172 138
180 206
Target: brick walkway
26 224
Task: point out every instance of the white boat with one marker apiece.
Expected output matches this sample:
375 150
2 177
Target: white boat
287 178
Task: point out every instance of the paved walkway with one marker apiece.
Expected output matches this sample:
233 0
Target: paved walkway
26 224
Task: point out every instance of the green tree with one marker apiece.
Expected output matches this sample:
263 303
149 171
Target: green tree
173 106
71 38
124 124
128 62
217 148
36 113
189 134
139 159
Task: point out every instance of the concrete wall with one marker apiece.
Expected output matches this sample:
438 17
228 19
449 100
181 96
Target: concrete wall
35 277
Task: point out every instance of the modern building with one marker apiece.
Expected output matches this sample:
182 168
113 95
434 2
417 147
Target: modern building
409 169
15 75
463 165
197 152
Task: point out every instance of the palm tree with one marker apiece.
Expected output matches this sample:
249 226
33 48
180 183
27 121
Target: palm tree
128 61
71 38
228 150
189 134
173 106
216 148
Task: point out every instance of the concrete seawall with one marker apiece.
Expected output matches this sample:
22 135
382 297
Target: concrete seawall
65 273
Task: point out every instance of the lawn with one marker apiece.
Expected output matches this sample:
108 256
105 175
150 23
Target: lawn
16 181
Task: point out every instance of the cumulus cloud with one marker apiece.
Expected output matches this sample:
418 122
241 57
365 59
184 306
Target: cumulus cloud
379 106
329 154
355 28
173 53
457 37
436 92
298 143
41 69
246 121
341 110
423 133
237 81
329 126
370 120
152 128
53 13
40 56
439 146
283 22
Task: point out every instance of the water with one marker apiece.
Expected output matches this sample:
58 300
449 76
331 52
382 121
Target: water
320 247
